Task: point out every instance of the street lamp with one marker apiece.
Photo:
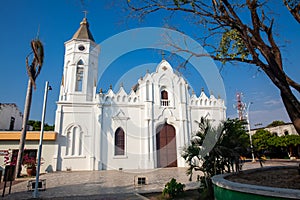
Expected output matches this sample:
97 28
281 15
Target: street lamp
250 136
35 193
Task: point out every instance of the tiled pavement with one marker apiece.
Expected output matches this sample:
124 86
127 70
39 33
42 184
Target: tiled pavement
101 184
111 184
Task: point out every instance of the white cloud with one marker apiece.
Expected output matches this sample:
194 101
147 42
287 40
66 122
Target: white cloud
272 102
267 116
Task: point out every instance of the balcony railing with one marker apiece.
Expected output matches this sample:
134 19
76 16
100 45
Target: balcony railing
164 102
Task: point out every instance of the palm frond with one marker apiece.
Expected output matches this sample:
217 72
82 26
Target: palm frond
35 67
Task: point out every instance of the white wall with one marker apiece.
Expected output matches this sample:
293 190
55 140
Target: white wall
139 115
280 130
6 112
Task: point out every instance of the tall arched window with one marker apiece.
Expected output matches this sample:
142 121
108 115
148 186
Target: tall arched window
181 92
119 142
147 91
74 138
69 143
79 76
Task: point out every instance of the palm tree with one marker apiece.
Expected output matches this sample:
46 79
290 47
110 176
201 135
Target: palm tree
33 70
222 156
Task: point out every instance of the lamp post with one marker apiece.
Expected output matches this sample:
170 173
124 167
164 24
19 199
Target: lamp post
35 193
250 136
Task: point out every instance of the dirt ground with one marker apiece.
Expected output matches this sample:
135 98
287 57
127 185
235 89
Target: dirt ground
282 178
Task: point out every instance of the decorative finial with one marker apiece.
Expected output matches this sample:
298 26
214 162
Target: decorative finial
110 86
121 84
101 91
193 92
202 89
85 13
219 97
147 71
211 92
163 54
141 78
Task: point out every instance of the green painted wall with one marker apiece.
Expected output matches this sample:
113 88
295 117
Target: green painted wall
225 194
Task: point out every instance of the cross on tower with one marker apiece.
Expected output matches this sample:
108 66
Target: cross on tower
163 54
85 13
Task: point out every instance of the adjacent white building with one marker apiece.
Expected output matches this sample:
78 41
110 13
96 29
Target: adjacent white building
280 130
143 129
10 117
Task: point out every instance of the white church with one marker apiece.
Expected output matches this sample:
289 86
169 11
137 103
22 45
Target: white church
143 129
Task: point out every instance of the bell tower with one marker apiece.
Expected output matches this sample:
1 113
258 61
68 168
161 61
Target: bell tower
80 66
74 112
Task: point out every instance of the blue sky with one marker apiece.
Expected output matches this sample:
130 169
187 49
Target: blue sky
59 20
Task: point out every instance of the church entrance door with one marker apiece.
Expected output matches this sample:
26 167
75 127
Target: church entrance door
166 146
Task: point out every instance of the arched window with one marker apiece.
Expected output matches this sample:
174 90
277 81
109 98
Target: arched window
74 143
164 101
147 91
74 138
119 142
79 76
69 143
181 92
164 95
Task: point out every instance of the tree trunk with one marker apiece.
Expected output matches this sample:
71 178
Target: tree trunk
24 130
291 103
293 112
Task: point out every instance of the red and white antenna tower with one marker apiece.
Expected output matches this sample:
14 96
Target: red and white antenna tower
240 106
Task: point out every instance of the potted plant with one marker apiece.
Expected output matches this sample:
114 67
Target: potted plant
30 165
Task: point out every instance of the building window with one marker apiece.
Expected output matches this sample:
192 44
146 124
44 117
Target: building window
119 142
286 132
141 180
164 101
79 76
12 123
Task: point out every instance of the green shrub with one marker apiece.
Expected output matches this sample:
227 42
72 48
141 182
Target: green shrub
173 188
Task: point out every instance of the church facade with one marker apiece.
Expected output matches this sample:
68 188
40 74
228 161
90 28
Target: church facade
143 129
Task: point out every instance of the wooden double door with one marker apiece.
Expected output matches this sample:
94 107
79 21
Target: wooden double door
166 146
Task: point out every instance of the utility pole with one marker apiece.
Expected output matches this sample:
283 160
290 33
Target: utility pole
244 115
249 129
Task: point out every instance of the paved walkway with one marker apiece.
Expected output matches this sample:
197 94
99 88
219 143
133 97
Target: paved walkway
112 184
